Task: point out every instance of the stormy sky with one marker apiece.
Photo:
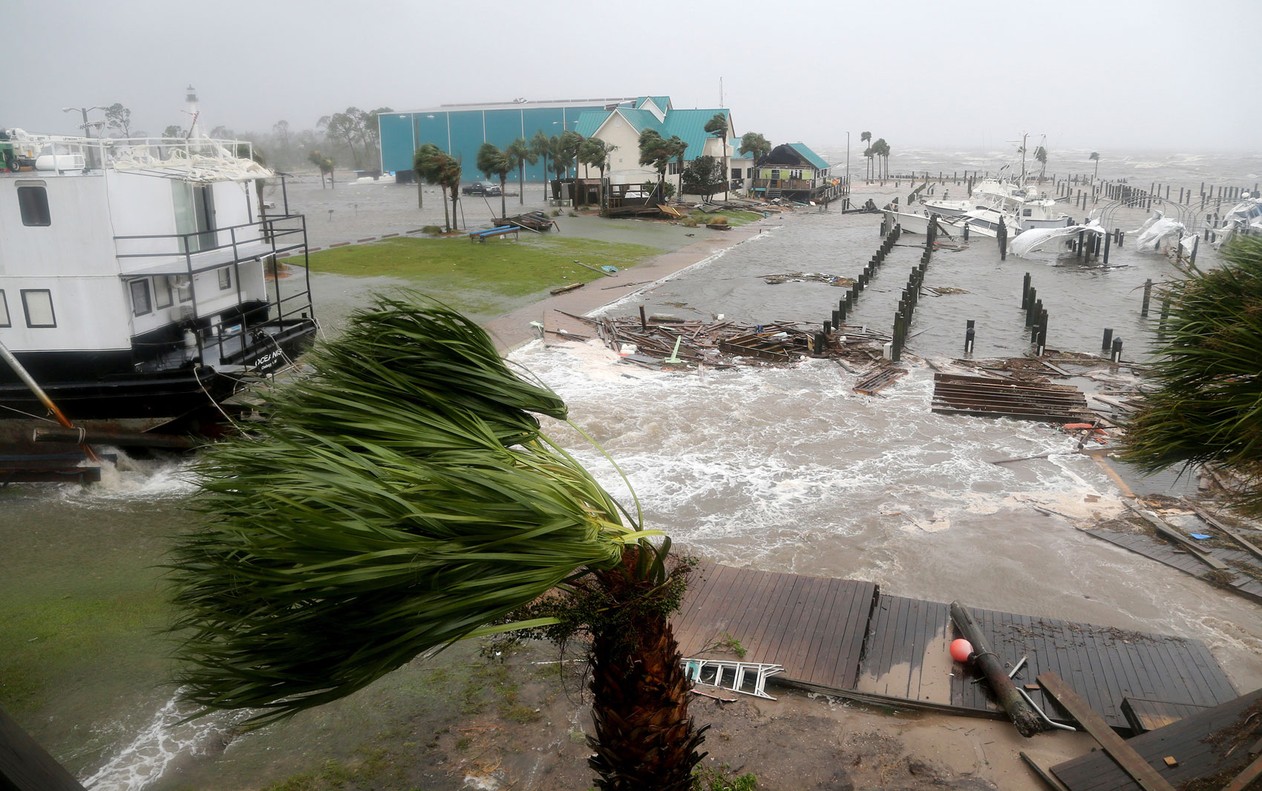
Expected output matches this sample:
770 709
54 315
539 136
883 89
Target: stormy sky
1140 75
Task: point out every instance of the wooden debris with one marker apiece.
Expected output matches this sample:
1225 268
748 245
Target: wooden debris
956 394
1130 761
877 380
1170 533
565 289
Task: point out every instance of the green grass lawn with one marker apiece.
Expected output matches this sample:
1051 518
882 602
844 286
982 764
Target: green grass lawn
482 277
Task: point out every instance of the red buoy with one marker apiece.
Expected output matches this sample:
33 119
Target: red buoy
961 649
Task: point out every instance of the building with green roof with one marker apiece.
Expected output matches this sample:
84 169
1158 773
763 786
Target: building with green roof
460 129
794 172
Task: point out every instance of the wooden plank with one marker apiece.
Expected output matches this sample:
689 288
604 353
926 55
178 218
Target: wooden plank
1174 535
1132 762
1044 775
1236 536
1251 772
25 765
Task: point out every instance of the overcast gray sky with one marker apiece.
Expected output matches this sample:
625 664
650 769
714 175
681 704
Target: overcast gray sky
1106 74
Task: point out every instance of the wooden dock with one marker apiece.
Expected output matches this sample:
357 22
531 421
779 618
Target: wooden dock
1215 743
846 638
1190 562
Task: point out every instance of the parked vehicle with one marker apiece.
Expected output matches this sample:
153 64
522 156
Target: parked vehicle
481 188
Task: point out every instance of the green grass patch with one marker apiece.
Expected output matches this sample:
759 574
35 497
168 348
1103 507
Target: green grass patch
482 277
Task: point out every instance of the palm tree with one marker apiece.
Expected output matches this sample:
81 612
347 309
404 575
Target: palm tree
492 161
428 161
866 137
881 149
519 155
403 497
1206 403
719 127
596 153
754 143
677 149
449 177
1040 155
541 146
657 153
1095 157
325 164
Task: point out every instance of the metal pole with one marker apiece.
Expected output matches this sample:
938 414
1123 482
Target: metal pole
34 387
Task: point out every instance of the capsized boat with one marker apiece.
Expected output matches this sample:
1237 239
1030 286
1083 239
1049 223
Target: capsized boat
1244 219
142 283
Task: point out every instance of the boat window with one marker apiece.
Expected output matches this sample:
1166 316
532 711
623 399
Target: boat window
4 311
140 302
225 278
161 292
33 201
183 287
38 305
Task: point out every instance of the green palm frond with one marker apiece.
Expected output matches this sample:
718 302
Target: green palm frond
1206 406
399 499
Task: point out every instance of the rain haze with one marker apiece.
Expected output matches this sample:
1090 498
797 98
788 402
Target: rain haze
1156 75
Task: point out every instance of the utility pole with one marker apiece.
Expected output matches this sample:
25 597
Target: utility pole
87 128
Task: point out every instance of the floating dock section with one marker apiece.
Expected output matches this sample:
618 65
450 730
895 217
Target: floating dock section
846 638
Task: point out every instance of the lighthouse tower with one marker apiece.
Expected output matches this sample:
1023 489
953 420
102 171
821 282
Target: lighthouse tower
193 113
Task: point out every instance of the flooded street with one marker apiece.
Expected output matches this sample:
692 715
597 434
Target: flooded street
783 469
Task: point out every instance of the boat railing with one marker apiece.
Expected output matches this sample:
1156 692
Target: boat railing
277 243
196 157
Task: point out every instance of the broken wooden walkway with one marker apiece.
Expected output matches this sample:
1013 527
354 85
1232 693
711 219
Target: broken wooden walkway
846 638
957 394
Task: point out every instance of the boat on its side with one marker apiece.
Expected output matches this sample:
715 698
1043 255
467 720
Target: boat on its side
142 283
1244 219
984 222
912 222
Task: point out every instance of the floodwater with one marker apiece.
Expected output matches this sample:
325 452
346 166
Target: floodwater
782 469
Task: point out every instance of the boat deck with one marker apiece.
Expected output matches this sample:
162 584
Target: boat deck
845 637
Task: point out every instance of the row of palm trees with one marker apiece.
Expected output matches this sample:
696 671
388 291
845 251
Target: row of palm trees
567 149
878 155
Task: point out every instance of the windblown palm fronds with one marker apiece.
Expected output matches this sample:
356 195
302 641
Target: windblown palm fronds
1206 406
399 499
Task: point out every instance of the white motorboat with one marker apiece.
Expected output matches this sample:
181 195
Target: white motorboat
1244 219
911 222
984 222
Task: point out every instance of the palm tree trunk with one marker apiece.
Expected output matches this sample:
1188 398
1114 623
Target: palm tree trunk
503 198
644 739
446 219
521 183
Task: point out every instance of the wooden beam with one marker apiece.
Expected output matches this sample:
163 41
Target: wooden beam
1020 712
1131 762
1174 535
1044 775
26 766
1251 772
1235 536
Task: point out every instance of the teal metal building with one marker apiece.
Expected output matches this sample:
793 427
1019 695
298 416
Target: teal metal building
460 129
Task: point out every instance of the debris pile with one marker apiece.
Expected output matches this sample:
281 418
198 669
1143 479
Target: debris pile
665 340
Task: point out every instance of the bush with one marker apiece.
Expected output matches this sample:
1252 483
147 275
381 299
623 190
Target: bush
432 230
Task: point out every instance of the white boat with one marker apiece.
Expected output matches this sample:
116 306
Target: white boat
912 222
984 222
141 283
1026 203
1244 219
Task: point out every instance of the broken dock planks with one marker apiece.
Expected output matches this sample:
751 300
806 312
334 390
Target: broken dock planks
975 395
877 380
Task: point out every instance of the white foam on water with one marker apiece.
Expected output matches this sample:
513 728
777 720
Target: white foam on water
162 742
134 479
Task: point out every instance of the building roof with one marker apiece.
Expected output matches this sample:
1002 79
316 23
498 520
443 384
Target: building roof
817 162
689 126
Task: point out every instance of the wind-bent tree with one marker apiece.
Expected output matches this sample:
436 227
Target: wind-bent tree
595 152
656 152
520 154
541 146
1040 156
719 127
866 137
325 164
1095 157
492 161
403 497
118 117
449 177
1205 403
754 143
434 165
565 155
677 149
